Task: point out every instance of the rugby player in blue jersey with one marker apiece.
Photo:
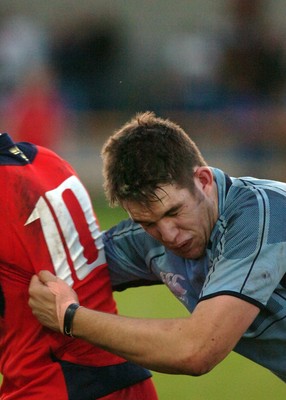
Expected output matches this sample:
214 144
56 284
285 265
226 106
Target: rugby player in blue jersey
218 242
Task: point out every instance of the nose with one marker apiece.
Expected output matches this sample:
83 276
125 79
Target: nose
168 231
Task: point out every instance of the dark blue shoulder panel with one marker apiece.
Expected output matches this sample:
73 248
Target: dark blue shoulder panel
17 153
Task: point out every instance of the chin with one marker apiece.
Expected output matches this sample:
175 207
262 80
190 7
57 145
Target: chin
192 254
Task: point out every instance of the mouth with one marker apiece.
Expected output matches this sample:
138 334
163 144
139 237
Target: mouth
183 247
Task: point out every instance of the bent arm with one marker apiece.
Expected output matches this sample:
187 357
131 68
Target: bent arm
191 346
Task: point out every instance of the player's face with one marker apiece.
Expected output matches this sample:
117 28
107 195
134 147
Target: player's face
180 220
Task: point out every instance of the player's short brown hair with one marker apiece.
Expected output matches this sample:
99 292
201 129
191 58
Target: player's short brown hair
144 155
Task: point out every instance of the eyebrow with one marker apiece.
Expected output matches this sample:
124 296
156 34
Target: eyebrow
166 213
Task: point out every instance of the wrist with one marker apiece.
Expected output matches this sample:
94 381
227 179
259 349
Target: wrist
68 319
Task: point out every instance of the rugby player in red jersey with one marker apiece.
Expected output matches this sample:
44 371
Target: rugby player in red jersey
47 222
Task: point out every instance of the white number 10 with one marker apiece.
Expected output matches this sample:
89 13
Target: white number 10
67 238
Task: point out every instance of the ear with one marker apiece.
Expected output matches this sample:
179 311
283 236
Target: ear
204 178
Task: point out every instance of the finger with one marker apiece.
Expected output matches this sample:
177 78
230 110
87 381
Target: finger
39 293
46 276
35 280
34 285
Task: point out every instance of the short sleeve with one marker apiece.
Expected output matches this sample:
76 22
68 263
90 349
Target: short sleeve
247 261
129 251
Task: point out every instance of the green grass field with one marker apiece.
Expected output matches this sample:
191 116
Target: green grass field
236 378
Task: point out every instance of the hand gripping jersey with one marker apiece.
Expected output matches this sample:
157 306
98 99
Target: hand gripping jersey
246 258
47 222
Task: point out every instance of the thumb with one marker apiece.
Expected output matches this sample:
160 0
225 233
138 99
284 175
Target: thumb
46 276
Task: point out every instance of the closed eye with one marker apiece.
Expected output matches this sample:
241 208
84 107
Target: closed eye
173 212
147 224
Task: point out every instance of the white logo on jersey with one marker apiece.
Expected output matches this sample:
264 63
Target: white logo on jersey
173 283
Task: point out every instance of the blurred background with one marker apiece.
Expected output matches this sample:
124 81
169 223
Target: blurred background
72 72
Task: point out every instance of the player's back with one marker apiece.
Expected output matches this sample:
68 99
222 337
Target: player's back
47 222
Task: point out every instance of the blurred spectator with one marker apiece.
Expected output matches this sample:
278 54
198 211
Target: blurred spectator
30 106
87 57
35 112
240 64
251 80
253 65
192 60
23 47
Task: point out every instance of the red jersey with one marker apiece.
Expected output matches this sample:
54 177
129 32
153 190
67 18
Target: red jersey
47 222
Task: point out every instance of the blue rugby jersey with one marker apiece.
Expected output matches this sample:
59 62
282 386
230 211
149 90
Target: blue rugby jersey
246 258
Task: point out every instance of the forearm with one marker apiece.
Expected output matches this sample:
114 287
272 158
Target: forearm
160 345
